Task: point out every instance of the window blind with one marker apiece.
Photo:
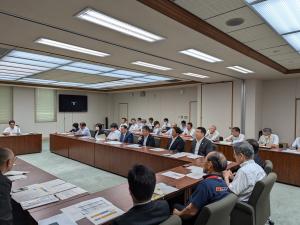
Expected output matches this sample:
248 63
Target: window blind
45 105
6 104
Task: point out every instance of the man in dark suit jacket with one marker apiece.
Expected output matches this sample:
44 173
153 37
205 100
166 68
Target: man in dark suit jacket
176 143
126 136
142 183
146 139
6 163
201 145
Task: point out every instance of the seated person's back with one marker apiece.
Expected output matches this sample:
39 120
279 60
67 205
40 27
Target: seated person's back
142 183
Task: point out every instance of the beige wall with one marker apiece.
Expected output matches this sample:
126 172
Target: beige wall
23 112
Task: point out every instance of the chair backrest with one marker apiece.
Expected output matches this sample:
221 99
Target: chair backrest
157 142
135 138
260 198
173 220
268 166
217 212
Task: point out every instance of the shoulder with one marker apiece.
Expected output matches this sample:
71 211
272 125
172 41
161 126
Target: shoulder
162 205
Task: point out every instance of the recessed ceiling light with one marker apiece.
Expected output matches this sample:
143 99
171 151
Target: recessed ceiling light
117 25
10 75
8 78
92 67
16 69
149 65
74 48
37 81
195 75
158 78
14 72
78 70
235 22
69 84
200 55
129 73
114 75
143 79
293 39
240 69
29 62
22 66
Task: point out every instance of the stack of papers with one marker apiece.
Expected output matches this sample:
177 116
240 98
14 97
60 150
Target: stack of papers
196 172
70 193
14 175
194 156
97 210
113 142
56 186
179 155
173 175
60 219
134 146
157 149
43 200
162 189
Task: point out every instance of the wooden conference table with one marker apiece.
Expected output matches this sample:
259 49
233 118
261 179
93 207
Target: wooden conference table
22 144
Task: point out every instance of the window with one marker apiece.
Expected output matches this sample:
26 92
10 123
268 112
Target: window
45 105
6 104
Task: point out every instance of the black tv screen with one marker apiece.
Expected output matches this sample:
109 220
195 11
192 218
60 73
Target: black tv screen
72 103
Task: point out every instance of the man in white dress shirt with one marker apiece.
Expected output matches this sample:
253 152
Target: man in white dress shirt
235 136
83 131
114 134
189 131
123 122
134 126
268 139
296 143
12 129
166 124
169 132
212 133
246 177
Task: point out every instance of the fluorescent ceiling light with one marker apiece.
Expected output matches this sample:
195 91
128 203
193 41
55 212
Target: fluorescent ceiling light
149 65
157 78
15 72
114 75
10 75
69 47
91 67
37 81
142 79
240 69
129 73
29 62
38 57
282 15
195 75
13 69
23 66
78 70
8 78
293 39
117 25
200 55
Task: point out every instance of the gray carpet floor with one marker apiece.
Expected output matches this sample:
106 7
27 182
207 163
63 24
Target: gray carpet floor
285 199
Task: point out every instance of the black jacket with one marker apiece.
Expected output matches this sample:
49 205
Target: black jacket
6 217
178 145
150 141
152 213
206 147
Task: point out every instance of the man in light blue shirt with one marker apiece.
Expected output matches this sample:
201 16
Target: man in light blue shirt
83 131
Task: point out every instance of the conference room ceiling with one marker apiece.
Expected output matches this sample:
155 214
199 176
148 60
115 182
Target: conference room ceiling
23 22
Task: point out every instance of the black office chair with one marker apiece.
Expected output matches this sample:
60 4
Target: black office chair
217 213
268 166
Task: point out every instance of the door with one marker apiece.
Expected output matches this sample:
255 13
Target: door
193 113
297 121
123 111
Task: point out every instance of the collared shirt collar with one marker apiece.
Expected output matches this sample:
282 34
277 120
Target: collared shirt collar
142 203
247 162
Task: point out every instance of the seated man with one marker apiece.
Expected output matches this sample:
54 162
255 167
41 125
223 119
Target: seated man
176 143
146 139
83 131
150 123
211 189
114 134
6 163
268 139
126 136
256 158
165 125
235 136
201 145
212 133
156 128
296 143
12 129
134 126
142 181
75 128
189 130
183 125
169 132
124 122
246 177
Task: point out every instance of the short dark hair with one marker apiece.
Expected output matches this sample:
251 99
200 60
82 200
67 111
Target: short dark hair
218 161
183 122
133 119
123 118
124 126
114 125
191 124
236 129
11 121
4 155
76 125
254 144
83 124
244 148
141 182
100 125
166 119
146 128
139 118
177 130
151 118
267 130
202 129
156 122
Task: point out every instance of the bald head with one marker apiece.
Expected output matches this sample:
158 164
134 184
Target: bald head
218 161
6 159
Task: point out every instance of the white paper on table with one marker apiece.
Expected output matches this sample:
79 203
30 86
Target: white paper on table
16 177
113 142
167 154
225 143
60 188
134 146
194 156
173 175
29 193
195 169
52 183
15 172
157 149
60 219
44 200
164 189
179 155
82 209
103 215
291 151
196 176
70 193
